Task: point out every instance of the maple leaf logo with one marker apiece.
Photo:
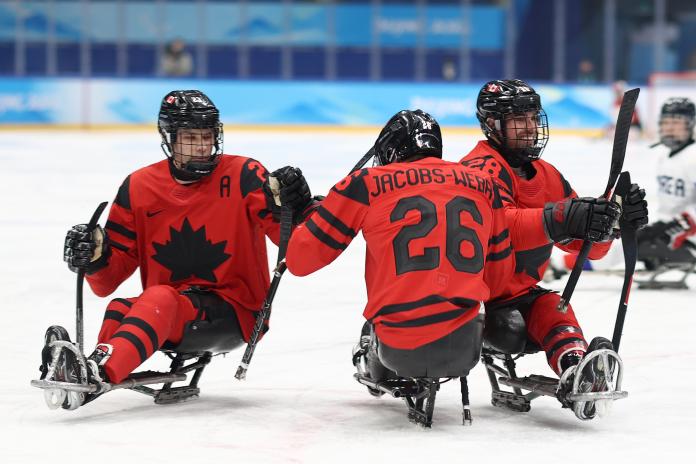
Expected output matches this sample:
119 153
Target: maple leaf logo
190 254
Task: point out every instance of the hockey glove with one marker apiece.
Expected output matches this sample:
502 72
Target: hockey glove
679 229
635 208
584 218
294 190
84 250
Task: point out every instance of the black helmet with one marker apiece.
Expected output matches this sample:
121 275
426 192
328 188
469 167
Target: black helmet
499 98
682 108
189 109
408 133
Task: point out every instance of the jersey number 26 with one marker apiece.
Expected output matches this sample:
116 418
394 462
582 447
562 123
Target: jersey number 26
456 234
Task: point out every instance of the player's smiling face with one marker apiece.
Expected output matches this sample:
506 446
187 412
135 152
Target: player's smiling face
193 145
520 129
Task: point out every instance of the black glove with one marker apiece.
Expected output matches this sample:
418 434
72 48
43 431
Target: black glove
679 229
635 208
84 250
294 190
581 218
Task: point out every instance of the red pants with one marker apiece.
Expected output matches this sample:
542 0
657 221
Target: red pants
555 332
137 327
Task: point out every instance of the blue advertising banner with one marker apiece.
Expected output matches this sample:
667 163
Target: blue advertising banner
256 23
136 101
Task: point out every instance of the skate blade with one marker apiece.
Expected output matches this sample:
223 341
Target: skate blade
66 386
597 396
603 408
54 397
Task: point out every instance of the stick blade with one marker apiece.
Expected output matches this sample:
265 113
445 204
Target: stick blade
621 132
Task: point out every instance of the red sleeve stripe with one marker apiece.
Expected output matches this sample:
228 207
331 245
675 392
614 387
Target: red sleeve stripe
117 245
323 237
118 228
496 239
500 255
335 222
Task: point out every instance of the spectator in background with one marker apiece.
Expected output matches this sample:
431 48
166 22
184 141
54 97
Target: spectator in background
449 69
176 60
586 72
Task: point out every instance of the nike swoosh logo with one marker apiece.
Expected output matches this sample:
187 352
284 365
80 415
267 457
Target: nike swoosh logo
153 213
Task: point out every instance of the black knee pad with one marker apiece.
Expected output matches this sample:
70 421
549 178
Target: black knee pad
505 330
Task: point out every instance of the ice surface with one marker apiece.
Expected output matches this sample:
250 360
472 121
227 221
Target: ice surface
300 403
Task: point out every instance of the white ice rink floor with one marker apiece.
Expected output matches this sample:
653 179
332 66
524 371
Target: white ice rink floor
300 402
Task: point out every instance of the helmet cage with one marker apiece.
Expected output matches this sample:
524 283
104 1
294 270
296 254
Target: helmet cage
520 146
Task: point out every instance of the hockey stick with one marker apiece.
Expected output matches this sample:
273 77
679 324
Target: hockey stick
265 313
629 242
285 232
366 157
91 225
623 127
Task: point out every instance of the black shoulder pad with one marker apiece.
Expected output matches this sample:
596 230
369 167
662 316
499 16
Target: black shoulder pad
354 187
567 190
252 178
123 195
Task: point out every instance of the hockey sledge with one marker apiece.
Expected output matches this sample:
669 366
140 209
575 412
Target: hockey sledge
501 369
192 355
418 393
653 282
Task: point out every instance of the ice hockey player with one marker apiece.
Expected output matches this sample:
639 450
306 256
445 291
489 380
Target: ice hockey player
516 130
672 238
194 224
442 251
437 243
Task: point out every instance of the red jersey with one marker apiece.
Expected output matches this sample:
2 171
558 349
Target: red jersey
524 200
437 243
208 233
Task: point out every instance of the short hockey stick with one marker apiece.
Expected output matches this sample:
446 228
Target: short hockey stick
265 313
91 225
629 242
623 127
363 161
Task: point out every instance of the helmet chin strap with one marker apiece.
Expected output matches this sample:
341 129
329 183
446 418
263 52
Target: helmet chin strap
191 171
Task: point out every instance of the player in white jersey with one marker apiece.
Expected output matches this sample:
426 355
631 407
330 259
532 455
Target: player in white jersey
672 239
